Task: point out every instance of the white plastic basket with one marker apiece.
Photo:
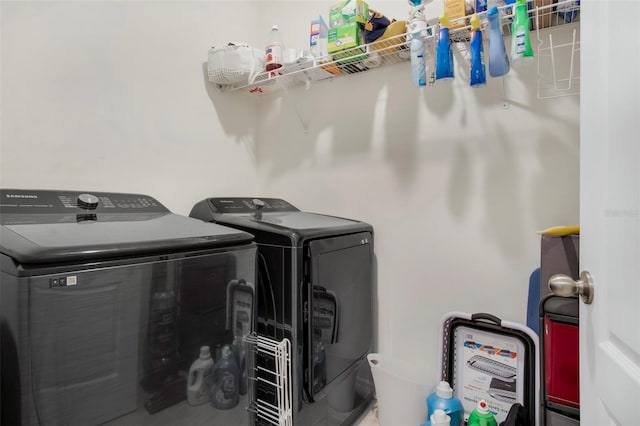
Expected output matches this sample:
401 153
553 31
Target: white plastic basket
236 63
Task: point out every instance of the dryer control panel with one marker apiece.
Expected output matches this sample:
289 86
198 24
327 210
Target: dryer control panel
249 205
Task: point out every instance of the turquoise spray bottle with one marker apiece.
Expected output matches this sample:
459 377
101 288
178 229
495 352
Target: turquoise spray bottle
521 51
444 54
477 77
498 59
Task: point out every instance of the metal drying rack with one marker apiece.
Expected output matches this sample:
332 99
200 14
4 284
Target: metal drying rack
278 380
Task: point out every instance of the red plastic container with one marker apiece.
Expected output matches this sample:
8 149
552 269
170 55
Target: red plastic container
561 361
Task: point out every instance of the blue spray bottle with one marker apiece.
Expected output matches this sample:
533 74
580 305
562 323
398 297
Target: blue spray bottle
416 32
444 54
498 59
477 75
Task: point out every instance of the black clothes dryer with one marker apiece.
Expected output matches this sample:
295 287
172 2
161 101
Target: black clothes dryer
315 275
105 302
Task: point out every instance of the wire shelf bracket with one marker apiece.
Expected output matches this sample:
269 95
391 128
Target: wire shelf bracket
558 63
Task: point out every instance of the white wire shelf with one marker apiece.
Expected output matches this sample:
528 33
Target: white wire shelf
277 379
544 14
348 61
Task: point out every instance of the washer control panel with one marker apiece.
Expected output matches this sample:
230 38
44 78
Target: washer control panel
14 201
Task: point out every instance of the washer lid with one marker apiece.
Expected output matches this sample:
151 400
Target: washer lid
62 226
297 221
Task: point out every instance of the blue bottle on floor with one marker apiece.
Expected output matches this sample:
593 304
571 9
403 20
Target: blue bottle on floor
225 380
442 399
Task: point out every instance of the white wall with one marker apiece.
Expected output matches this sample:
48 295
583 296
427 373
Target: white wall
112 96
454 184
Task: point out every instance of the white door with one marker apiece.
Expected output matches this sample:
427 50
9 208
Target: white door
610 212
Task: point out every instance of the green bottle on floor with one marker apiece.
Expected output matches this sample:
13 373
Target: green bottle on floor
481 416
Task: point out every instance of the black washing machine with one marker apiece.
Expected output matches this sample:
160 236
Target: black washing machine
106 300
315 275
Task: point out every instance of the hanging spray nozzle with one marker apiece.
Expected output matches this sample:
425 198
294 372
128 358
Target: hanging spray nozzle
417 22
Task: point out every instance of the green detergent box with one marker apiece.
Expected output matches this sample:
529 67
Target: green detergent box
343 37
347 12
343 42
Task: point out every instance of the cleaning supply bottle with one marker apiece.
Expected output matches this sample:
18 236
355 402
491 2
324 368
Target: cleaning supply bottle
521 51
240 353
416 31
198 382
163 331
319 366
481 416
498 59
440 418
224 381
444 54
442 399
274 50
477 75
497 4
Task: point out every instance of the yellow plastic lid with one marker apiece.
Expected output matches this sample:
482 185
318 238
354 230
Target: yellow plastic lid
475 22
444 21
561 230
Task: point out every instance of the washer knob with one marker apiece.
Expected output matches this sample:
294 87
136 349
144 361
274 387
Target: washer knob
88 201
259 205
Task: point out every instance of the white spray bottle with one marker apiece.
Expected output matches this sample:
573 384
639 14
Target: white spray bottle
416 29
417 33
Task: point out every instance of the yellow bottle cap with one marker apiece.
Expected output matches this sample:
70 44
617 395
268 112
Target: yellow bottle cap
444 20
475 22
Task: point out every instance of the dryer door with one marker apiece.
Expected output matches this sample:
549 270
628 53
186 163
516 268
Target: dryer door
339 308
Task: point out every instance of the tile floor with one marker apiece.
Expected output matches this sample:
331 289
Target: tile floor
370 417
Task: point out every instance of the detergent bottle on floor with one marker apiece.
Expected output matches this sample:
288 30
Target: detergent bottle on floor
440 418
225 380
198 385
481 416
442 399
